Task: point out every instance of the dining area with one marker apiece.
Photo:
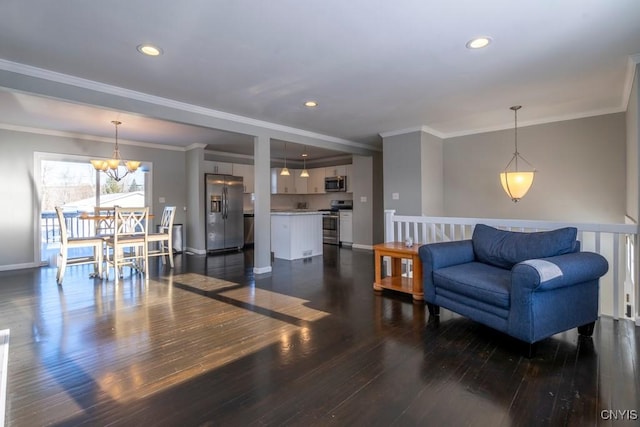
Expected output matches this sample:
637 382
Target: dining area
114 239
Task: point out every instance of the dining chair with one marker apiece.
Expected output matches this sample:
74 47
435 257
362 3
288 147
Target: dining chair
67 243
104 221
128 246
164 236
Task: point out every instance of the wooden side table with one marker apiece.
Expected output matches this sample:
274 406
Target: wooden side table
397 251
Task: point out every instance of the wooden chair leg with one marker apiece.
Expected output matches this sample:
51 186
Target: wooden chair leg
62 266
170 255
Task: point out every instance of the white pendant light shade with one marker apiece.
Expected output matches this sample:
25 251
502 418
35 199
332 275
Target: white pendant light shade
516 184
305 172
285 169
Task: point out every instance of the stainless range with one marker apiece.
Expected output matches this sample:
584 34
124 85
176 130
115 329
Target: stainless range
331 221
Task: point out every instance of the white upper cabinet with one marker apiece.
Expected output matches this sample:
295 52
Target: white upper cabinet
218 167
335 171
246 172
299 183
282 184
349 174
315 184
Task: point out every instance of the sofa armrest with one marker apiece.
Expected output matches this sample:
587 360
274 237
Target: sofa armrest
440 255
559 271
445 254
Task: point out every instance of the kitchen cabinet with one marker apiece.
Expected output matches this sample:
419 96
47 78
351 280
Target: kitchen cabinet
335 171
221 168
292 184
296 235
299 183
246 172
346 227
281 184
315 184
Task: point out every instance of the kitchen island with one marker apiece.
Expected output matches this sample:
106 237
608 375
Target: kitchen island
296 234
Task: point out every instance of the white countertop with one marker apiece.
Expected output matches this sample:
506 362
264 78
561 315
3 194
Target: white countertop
295 212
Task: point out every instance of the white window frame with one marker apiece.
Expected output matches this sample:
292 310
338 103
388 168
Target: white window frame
38 157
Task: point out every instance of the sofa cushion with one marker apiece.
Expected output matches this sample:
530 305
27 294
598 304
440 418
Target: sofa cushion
506 248
478 281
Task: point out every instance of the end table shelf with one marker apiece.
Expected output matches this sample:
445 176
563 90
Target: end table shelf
397 251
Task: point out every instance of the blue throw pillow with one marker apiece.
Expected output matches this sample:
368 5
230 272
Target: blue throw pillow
507 248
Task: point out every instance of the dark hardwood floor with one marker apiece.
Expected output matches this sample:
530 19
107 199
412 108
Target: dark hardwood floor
309 345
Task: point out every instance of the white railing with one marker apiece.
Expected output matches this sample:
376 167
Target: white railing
618 243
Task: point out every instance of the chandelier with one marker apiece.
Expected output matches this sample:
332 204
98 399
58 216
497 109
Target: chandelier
111 167
516 183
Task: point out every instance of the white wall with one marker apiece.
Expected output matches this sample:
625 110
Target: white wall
581 171
402 159
195 229
633 153
432 175
18 192
362 201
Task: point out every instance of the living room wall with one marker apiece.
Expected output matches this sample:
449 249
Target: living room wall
633 151
18 191
581 171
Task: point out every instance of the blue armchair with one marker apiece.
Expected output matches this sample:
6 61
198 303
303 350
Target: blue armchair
527 285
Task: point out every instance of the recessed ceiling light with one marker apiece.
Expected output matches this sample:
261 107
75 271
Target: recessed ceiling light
478 43
311 104
149 50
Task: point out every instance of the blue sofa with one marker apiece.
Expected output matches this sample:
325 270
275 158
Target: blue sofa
527 285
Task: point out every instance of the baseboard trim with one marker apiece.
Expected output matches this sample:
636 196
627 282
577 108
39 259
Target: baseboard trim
261 270
196 251
4 365
365 247
21 266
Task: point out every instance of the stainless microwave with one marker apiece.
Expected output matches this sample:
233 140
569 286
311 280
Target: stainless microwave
335 183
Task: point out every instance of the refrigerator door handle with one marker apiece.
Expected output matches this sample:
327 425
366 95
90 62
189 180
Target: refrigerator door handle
225 203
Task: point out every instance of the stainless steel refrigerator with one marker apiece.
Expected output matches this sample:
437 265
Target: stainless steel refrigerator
224 212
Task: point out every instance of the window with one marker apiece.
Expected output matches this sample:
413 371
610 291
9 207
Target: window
73 183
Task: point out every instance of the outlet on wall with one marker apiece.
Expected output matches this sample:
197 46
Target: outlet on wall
395 196
162 200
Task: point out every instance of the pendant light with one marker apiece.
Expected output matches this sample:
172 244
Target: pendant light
516 183
305 172
111 167
285 169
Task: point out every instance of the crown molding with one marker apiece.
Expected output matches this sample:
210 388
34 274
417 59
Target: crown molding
422 128
194 146
85 137
554 119
632 63
521 124
170 103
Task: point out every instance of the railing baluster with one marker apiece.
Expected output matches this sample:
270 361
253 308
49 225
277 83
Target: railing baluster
616 285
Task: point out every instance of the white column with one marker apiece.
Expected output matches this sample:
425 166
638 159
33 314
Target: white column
262 204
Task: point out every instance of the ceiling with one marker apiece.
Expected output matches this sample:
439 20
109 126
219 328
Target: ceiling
374 66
